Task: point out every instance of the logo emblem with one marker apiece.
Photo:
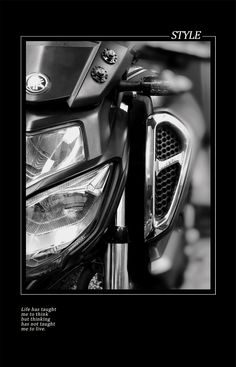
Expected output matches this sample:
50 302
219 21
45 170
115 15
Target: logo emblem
36 83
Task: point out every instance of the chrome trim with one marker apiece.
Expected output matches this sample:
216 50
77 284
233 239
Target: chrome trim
124 107
160 165
116 260
120 215
154 166
136 71
116 276
107 266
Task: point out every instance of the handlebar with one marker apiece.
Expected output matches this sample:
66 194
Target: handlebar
153 86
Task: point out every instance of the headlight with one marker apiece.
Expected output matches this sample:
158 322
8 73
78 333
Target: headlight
56 217
52 151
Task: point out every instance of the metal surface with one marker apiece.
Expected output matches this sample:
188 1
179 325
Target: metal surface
135 71
109 56
116 273
99 74
65 63
120 216
154 166
90 93
153 86
116 270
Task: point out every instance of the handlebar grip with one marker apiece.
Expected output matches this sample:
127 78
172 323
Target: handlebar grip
154 86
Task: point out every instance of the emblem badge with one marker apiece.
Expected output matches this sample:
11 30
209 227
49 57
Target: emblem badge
36 83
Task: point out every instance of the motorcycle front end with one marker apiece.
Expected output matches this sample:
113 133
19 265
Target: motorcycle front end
109 153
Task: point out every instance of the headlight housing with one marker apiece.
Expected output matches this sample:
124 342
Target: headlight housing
58 216
51 151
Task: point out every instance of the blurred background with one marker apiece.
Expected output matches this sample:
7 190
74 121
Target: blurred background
192 59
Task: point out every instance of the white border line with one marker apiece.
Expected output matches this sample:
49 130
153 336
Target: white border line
21 165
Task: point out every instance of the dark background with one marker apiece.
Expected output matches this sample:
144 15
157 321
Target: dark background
190 329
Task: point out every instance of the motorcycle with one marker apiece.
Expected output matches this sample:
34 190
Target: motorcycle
110 150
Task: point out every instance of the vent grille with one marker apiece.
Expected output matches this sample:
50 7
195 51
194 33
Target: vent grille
168 143
168 157
165 185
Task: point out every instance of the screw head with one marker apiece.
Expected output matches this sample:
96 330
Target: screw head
109 56
99 74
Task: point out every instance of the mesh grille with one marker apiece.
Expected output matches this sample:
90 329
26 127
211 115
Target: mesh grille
165 184
168 143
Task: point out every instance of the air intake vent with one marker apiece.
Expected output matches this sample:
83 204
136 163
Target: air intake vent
165 185
168 142
168 154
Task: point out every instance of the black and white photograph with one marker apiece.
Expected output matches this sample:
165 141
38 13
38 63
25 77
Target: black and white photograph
118 164
117 181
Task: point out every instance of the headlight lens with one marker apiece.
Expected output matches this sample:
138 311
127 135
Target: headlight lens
58 216
52 151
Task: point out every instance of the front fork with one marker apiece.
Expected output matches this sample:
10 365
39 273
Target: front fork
116 259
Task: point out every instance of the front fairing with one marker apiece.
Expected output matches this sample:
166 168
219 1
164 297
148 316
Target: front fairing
69 67
104 130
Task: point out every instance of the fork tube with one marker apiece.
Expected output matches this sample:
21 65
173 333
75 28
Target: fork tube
116 261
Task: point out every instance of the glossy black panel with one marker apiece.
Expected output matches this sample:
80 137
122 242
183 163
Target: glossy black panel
62 62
